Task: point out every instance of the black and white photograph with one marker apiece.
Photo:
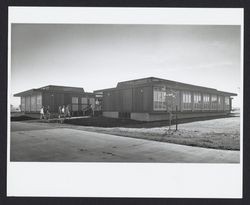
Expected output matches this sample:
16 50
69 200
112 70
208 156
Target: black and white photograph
130 93
125 93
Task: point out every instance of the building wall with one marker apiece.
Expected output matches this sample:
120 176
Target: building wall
165 116
31 103
185 101
77 102
137 99
139 103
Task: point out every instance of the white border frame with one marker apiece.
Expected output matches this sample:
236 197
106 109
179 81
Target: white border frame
124 179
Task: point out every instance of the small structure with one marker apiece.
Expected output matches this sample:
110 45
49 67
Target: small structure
55 96
152 99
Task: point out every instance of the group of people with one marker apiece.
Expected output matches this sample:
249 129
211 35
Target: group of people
63 111
45 112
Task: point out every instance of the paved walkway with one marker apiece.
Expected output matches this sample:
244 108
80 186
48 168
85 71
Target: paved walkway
58 143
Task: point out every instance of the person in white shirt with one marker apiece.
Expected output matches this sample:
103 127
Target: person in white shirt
42 113
63 111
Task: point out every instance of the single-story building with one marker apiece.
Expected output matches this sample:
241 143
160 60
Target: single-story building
55 96
152 99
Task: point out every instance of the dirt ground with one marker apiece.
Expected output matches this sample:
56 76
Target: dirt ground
223 133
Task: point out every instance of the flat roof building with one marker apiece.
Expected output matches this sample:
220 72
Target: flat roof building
152 99
55 96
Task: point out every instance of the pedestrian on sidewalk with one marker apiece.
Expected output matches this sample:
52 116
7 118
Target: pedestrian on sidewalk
48 112
63 111
68 111
59 111
42 113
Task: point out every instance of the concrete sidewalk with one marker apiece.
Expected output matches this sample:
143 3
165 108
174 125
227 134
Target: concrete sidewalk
61 144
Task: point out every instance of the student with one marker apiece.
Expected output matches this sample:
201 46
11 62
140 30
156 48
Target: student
63 111
48 112
59 111
42 113
67 111
92 110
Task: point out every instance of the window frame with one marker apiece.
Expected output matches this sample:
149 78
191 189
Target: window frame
159 98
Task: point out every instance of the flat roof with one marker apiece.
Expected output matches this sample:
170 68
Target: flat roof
51 88
158 81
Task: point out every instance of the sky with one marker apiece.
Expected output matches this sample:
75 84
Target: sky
96 56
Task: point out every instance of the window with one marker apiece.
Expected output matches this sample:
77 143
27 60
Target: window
84 103
160 98
227 103
22 104
220 102
172 99
197 101
38 102
27 103
92 101
84 100
214 102
74 103
186 99
206 101
33 103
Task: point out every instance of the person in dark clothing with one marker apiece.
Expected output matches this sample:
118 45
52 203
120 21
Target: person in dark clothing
48 112
67 111
59 111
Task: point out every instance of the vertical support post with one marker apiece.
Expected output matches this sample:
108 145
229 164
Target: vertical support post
192 101
176 118
230 104
170 119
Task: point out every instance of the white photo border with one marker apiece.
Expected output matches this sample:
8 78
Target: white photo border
170 180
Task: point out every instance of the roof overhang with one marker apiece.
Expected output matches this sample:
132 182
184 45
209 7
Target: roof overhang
28 92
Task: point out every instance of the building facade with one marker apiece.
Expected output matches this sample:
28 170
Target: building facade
152 99
55 96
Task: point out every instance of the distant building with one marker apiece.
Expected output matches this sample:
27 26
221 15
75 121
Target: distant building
55 96
152 99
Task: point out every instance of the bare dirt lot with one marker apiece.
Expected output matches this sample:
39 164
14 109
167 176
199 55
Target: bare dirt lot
223 133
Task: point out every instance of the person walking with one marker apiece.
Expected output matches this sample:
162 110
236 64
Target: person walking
42 113
63 111
48 112
59 111
67 111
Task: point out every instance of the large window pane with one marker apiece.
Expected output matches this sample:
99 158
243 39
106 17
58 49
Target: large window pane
74 103
159 98
206 101
33 103
186 99
22 104
197 101
38 102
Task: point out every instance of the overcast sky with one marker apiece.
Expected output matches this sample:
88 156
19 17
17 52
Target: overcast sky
98 56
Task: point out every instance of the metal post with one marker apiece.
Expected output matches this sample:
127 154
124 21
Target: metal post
170 118
176 118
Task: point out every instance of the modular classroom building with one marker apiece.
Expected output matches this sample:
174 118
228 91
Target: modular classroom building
55 96
152 99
